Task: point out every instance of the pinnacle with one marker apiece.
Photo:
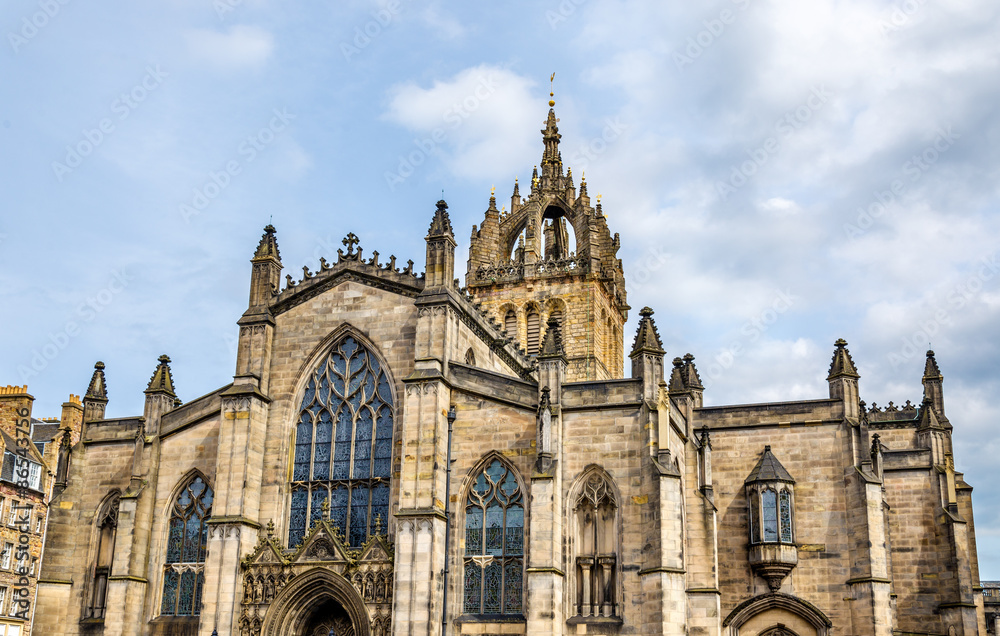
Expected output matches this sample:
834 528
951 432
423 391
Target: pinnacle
552 346
162 380
268 246
98 389
647 339
441 224
842 365
931 370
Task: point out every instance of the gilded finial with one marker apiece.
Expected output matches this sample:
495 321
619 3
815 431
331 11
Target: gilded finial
583 175
493 190
552 81
598 197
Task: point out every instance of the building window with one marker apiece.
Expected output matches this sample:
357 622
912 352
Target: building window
510 324
12 512
38 525
21 471
34 566
5 555
533 331
343 446
107 528
494 542
596 538
3 599
187 542
771 515
10 630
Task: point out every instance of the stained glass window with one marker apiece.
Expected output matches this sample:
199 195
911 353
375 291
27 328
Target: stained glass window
769 500
754 517
187 544
494 542
785 500
343 446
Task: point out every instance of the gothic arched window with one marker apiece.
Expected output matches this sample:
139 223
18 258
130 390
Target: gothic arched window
187 544
596 516
107 527
510 323
494 542
343 446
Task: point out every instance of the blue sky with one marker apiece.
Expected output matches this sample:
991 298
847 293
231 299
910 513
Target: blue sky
782 174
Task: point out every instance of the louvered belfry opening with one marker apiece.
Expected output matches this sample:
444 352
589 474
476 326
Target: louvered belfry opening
510 323
533 332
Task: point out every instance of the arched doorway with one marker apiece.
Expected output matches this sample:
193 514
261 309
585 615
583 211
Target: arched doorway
328 619
313 604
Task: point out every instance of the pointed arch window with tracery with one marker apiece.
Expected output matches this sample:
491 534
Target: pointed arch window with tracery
187 547
343 445
494 542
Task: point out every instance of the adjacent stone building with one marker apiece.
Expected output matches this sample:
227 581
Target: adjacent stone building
25 484
400 455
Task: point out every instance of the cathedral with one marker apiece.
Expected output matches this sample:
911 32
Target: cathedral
398 455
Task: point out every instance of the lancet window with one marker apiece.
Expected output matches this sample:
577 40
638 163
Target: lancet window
107 528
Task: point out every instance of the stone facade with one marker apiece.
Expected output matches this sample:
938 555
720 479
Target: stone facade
399 455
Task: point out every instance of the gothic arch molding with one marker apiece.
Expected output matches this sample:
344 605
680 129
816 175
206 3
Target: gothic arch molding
751 608
575 549
322 348
293 606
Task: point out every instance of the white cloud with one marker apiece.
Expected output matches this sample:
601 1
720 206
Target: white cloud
485 117
240 47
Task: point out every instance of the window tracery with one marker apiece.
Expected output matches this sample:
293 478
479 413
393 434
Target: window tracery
107 528
187 545
494 542
343 445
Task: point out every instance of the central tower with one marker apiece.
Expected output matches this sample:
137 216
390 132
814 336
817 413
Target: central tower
552 255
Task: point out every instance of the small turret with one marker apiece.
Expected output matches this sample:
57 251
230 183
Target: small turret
160 396
95 402
933 384
647 355
843 379
692 381
265 278
440 270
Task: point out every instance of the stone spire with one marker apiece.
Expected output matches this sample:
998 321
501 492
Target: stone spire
95 401
676 384
441 223
691 378
842 364
162 381
268 246
647 338
551 157
552 345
